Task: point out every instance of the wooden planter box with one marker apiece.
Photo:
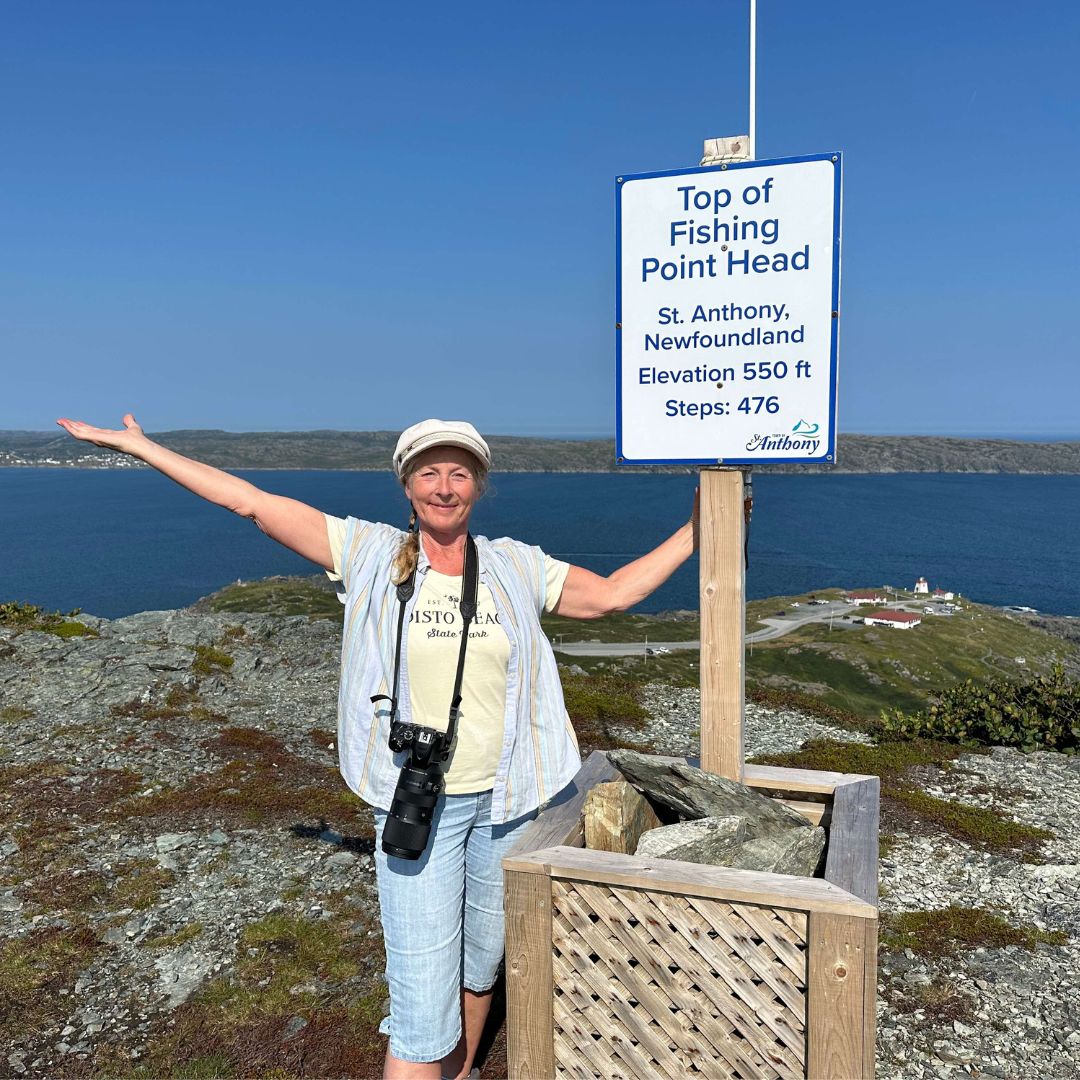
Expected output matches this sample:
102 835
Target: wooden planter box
619 966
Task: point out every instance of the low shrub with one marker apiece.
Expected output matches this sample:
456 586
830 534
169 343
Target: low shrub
1041 713
599 703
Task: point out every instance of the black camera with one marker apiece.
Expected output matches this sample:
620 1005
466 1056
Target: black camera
408 824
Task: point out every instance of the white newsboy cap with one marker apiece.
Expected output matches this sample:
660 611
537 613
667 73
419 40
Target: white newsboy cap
428 433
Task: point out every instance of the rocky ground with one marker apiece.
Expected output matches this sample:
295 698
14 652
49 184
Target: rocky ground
183 872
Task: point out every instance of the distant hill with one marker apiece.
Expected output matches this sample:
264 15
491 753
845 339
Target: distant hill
371 450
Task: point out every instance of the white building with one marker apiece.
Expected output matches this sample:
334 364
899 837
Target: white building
867 597
922 586
896 620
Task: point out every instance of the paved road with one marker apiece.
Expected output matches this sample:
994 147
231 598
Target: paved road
779 625
775 626
621 648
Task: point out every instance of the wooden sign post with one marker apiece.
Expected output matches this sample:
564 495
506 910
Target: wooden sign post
721 546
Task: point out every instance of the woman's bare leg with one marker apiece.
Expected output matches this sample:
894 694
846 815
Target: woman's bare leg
474 1008
396 1069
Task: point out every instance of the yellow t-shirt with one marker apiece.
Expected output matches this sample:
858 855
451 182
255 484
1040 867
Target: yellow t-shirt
433 640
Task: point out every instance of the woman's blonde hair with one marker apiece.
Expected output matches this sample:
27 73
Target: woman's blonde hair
409 551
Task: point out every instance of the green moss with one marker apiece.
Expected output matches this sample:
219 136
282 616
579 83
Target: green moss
206 716
178 702
70 630
280 953
982 828
211 1067
174 704
254 741
261 783
33 969
71 890
139 884
22 617
940 1002
171 941
12 713
42 814
179 696
211 661
886 845
953 930
321 970
884 759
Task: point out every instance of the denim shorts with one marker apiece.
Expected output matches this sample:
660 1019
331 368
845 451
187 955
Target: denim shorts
442 919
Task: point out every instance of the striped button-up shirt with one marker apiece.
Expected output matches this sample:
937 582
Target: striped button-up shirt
539 754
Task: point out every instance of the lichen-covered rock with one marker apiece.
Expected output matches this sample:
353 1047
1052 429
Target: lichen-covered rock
731 841
697 794
797 852
704 840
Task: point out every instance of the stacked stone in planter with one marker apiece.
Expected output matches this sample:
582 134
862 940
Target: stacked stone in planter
723 823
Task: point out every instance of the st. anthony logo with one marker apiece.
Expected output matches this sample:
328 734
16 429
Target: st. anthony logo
801 438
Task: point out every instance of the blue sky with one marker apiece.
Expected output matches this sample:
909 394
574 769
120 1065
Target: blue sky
276 215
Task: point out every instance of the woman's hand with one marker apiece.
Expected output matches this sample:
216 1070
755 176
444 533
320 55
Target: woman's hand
298 526
127 441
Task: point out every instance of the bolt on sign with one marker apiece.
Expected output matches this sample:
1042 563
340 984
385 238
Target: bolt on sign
727 312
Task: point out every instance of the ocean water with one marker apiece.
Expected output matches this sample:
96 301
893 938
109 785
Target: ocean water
112 542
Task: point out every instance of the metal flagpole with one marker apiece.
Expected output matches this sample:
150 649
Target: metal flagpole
753 79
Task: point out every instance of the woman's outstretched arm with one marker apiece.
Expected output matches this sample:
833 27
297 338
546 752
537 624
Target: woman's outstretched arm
300 527
587 595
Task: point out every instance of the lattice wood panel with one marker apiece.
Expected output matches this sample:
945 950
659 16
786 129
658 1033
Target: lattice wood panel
651 984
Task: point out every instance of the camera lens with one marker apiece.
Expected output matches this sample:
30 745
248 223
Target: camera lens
405 833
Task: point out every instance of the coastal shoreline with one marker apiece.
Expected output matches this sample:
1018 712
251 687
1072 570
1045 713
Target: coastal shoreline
355 451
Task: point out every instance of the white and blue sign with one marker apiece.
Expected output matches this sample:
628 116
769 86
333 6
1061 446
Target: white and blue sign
727 312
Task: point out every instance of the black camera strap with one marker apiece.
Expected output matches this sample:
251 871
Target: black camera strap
470 584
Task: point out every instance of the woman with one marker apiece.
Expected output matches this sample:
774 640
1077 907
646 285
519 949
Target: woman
514 747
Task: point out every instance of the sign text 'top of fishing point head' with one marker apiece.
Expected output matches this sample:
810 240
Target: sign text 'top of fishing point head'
727 311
